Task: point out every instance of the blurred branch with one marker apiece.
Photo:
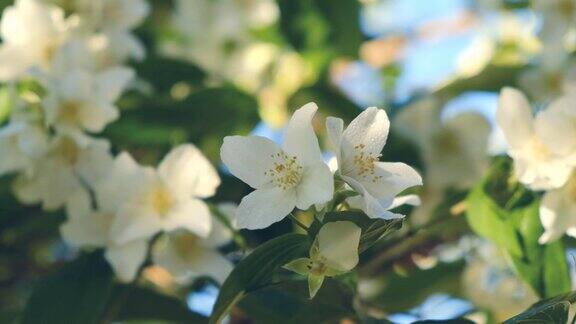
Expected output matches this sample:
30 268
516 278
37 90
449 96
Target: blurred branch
416 239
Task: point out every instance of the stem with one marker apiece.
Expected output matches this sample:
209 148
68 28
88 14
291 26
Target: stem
297 222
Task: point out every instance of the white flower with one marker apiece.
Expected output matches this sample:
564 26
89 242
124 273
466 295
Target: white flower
558 212
358 150
83 100
169 197
187 256
543 147
88 228
334 252
453 150
31 32
66 167
21 143
113 14
292 176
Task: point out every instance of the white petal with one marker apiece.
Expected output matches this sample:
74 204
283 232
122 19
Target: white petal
126 259
264 207
300 139
556 214
412 200
220 233
248 157
86 231
369 128
112 82
338 242
373 207
94 162
95 116
514 116
124 178
192 215
555 127
397 177
188 173
135 221
316 186
334 130
185 262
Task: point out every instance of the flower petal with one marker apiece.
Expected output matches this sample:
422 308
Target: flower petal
514 116
338 242
396 177
316 186
556 214
189 173
264 207
370 129
300 139
314 284
187 262
135 221
300 266
334 130
126 259
248 157
192 215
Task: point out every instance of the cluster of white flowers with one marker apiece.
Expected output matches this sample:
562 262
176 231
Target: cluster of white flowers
555 70
295 175
544 151
75 66
218 36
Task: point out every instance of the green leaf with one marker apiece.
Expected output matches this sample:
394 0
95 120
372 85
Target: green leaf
203 118
488 220
504 212
551 310
257 269
164 73
146 304
289 302
452 321
77 293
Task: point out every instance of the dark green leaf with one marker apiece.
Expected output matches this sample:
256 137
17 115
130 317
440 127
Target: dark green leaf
552 310
164 73
256 270
77 293
139 303
289 302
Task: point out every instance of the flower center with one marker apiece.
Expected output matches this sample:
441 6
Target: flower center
317 267
161 199
286 172
67 150
364 163
539 150
69 112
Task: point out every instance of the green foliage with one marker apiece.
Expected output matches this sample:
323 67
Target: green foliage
503 212
321 29
145 304
78 293
552 310
288 302
257 269
203 118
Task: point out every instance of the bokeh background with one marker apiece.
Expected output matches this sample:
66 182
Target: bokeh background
220 67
